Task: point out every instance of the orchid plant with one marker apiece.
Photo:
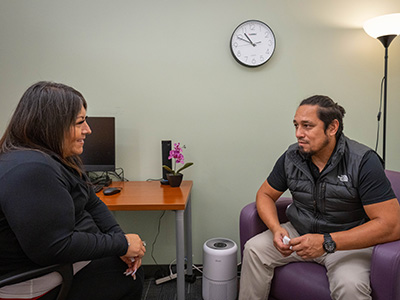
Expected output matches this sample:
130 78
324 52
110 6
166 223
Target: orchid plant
177 156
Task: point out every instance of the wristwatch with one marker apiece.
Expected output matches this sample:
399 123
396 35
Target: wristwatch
329 245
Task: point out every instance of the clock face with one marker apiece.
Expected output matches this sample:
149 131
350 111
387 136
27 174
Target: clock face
252 43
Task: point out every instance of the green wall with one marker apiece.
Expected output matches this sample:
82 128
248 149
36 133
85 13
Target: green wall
165 71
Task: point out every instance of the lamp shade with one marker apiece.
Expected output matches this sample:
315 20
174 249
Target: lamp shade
383 25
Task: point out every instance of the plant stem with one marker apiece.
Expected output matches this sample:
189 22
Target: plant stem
175 166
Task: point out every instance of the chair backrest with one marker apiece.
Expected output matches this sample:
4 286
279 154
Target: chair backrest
394 178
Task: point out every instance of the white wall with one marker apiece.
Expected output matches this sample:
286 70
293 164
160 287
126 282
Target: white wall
165 71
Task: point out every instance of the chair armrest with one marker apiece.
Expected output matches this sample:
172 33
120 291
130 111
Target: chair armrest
281 205
250 223
385 271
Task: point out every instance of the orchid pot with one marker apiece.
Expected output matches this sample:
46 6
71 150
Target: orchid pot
174 175
175 180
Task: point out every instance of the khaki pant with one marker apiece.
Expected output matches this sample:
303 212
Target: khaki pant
348 271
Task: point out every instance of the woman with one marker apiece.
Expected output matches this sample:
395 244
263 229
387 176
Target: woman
49 213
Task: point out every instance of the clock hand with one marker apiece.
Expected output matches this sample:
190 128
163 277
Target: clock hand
251 42
239 38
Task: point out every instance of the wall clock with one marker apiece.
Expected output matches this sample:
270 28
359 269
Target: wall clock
252 43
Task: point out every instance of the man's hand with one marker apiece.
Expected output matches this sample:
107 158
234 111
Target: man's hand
308 246
278 242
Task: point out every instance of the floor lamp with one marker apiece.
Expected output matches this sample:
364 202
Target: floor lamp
384 28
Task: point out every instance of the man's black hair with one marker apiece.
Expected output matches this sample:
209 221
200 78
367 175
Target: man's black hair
328 111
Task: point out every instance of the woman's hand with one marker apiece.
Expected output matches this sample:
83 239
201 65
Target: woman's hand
136 246
134 254
133 265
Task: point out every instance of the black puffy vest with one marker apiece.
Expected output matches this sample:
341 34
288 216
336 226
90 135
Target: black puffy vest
331 203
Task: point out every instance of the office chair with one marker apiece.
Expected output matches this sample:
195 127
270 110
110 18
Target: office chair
65 270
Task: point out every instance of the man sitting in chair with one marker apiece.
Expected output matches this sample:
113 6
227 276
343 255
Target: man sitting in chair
343 205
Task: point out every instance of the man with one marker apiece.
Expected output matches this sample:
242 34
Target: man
343 205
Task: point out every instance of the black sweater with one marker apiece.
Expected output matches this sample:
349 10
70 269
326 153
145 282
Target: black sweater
48 215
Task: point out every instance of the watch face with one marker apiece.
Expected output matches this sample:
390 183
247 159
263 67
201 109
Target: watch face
329 247
329 244
252 43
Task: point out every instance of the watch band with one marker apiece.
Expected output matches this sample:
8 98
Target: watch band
328 237
329 244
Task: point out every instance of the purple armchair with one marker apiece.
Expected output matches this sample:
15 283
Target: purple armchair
307 280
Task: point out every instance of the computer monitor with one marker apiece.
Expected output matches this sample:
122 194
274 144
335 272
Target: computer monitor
99 148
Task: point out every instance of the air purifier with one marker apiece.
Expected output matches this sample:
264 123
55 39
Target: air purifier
219 269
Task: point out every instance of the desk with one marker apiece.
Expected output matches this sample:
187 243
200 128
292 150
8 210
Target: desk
151 195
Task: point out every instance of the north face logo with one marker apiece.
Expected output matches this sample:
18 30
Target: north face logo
343 178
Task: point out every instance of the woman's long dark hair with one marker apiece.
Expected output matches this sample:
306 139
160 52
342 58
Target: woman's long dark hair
43 117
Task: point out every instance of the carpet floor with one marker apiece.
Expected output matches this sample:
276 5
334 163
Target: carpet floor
167 290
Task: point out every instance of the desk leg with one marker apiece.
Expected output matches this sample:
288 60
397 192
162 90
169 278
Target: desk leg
180 254
188 238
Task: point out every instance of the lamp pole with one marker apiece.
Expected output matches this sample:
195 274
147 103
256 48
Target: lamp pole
384 28
385 40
